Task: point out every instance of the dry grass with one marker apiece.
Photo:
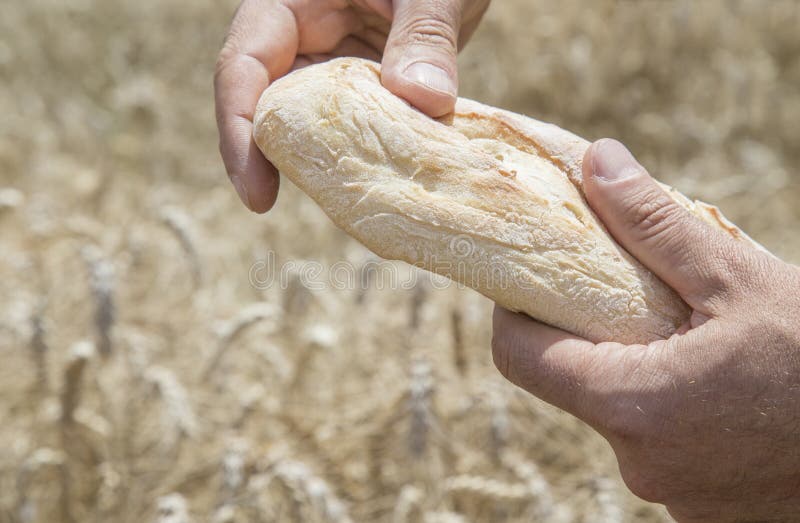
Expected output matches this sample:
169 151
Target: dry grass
201 397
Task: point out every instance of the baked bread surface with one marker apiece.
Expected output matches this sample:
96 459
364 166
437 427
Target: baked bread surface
484 196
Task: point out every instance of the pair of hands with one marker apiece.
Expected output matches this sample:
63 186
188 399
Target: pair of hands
706 422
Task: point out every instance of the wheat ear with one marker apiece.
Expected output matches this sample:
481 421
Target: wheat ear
607 499
172 508
41 458
179 415
407 503
444 516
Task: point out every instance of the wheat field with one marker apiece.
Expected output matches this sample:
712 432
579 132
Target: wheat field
152 371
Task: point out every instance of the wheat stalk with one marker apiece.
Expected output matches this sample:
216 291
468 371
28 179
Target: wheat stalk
249 399
296 296
538 487
418 296
79 356
305 487
499 421
39 348
275 359
366 278
227 331
420 389
101 283
182 226
460 361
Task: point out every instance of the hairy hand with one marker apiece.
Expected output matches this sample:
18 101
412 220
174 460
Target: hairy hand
706 422
417 40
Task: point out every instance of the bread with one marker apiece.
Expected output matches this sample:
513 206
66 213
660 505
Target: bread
484 196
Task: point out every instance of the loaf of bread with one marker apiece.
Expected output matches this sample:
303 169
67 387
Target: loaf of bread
484 196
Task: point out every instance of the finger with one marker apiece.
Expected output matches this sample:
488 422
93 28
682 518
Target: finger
260 46
323 27
419 62
470 19
238 86
373 37
355 46
695 260
350 46
562 369
382 7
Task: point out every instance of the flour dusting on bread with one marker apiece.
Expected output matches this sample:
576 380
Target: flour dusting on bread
486 197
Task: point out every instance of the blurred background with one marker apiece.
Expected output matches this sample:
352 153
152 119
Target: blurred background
150 374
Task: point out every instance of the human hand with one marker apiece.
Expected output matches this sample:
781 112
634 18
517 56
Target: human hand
417 39
706 422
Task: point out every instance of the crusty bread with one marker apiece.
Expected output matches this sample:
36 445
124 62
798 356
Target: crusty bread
487 197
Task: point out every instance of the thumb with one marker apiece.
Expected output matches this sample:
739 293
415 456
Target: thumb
419 62
695 260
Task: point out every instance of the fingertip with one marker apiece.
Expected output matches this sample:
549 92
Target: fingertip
608 160
261 181
587 167
419 59
265 197
255 180
429 88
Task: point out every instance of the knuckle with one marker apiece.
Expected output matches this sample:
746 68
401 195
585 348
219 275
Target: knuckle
225 57
431 31
655 217
665 226
235 41
731 274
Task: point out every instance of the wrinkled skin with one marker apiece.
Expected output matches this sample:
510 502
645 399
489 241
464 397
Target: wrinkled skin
269 38
708 421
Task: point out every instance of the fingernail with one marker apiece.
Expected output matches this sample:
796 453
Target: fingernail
241 190
611 161
431 76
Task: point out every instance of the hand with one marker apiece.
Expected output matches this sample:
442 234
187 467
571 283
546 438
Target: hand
706 422
418 40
